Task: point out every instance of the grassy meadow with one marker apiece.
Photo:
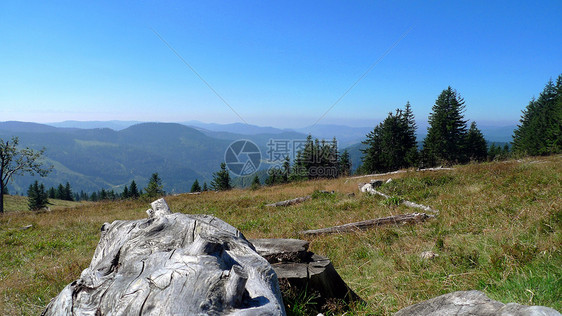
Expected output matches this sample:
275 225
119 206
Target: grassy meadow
499 230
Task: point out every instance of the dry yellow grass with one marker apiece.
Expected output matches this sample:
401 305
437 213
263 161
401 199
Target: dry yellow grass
499 231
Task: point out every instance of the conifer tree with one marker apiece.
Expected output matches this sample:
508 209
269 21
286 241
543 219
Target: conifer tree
476 148
125 195
205 188
345 163
59 194
68 196
133 190
256 184
37 198
195 187
392 144
446 134
540 131
154 188
221 179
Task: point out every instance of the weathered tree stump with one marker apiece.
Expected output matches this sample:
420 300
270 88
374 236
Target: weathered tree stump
172 264
302 269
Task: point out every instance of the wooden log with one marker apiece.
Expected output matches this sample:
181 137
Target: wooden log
362 225
290 202
172 264
369 189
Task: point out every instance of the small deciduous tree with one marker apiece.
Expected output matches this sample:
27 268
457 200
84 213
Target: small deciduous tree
16 161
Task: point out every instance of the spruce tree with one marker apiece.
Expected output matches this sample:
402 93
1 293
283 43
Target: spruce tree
344 163
195 187
286 169
221 179
476 148
540 131
125 195
256 184
446 134
154 188
205 188
392 144
133 190
59 195
37 198
68 196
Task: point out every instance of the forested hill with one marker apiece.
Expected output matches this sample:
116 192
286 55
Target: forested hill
91 159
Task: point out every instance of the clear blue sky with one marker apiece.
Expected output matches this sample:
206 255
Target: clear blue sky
277 63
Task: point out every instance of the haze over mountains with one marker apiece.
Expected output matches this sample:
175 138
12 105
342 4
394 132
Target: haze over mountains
109 154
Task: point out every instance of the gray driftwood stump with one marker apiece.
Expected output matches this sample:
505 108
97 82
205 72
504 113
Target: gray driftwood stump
172 264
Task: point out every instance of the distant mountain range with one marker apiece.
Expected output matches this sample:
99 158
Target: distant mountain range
97 154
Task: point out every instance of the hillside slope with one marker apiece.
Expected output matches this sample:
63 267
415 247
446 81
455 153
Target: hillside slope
499 230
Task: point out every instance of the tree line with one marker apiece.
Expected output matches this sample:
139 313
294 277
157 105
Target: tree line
392 144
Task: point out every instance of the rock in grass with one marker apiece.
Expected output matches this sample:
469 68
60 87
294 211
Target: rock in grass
172 264
473 303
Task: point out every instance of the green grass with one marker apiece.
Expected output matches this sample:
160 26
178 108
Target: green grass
499 230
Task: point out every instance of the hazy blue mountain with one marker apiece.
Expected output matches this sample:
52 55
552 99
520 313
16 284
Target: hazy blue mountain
114 125
91 159
236 128
345 135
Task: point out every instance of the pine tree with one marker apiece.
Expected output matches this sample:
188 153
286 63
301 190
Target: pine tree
67 193
446 134
410 142
392 144
37 198
345 163
52 193
125 195
256 184
540 132
94 197
205 188
476 148
221 179
195 187
286 169
59 194
154 188
102 195
133 190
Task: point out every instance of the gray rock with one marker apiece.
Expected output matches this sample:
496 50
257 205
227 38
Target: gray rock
472 303
172 264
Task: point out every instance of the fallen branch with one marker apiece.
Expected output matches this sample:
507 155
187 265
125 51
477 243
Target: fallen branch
396 172
396 219
290 202
369 188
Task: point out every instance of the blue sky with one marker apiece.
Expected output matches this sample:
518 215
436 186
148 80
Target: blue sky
276 63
